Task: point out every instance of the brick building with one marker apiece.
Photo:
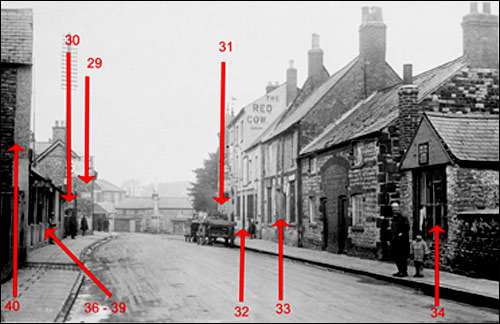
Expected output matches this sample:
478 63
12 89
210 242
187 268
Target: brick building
322 100
15 113
353 170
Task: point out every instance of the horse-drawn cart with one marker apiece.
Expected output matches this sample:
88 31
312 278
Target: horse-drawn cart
210 230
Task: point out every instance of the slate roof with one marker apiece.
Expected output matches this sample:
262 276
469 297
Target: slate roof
147 203
105 185
470 137
17 36
44 148
295 114
380 109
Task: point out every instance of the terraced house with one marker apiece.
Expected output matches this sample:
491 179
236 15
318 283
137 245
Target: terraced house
242 130
322 100
431 142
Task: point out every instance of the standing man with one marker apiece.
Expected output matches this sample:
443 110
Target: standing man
84 225
400 240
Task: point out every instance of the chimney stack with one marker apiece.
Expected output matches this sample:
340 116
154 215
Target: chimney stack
372 48
315 61
407 74
270 87
59 132
291 83
480 37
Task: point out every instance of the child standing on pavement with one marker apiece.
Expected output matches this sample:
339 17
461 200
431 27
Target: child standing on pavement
419 252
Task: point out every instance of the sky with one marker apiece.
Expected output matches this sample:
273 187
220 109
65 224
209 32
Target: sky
155 110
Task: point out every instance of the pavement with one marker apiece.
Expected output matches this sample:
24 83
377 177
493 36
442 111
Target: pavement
479 292
47 280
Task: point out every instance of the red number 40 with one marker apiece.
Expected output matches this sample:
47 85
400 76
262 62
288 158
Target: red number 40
13 305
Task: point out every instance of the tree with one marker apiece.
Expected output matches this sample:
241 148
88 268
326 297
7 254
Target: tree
206 185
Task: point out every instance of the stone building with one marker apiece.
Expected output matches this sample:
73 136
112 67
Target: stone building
354 169
15 113
152 214
242 130
322 100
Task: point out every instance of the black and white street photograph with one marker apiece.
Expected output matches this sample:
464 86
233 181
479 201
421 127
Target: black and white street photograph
249 161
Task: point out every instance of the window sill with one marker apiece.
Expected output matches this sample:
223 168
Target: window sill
357 229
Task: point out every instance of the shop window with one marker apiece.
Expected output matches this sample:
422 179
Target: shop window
431 201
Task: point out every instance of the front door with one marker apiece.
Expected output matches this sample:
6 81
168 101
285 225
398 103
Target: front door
342 214
325 222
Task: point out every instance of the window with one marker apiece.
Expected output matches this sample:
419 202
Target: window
312 210
241 137
357 154
238 204
292 202
423 153
269 213
236 135
312 165
431 201
357 209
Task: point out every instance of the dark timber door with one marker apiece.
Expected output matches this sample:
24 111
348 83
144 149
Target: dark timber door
325 222
342 211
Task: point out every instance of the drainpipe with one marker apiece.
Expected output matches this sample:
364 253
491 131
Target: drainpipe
299 191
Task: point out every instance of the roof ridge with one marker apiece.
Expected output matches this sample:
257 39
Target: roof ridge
471 115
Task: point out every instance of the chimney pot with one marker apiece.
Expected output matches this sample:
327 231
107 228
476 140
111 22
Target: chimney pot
292 62
57 123
473 7
408 74
365 11
315 41
487 7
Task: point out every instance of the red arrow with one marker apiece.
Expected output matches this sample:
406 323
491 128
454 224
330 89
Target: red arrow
50 232
242 233
221 199
16 148
280 223
68 196
86 178
436 229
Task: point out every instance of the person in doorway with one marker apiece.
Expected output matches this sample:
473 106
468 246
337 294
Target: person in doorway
84 225
400 240
52 224
251 229
419 251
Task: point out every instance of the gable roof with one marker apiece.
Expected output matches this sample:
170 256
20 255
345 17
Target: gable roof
470 137
380 109
17 36
147 203
105 185
103 208
42 149
248 106
296 112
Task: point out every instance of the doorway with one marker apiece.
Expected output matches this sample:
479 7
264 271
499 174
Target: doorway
342 214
